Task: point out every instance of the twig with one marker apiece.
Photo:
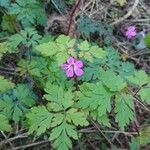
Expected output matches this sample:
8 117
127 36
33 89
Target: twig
138 100
72 15
13 138
113 132
31 145
128 14
101 132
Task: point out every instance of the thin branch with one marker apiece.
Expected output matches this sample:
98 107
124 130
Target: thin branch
136 2
31 145
109 142
72 15
13 138
113 132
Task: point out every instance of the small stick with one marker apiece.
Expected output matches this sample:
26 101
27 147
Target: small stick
128 14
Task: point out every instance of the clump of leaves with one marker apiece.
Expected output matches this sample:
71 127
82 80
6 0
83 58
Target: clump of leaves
15 103
28 37
29 12
65 104
87 27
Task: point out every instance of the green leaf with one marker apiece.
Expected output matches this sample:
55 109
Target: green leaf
34 67
29 37
147 40
60 98
84 46
95 97
112 81
97 52
61 136
60 49
138 79
39 120
124 107
9 23
6 85
86 26
4 3
104 120
57 120
3 49
145 94
17 103
29 12
121 2
88 52
4 125
78 118
47 49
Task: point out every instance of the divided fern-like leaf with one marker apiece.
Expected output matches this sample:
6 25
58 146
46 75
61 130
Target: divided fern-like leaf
29 12
59 98
6 85
88 52
138 79
78 118
112 81
124 109
17 103
61 136
4 125
29 37
61 48
95 97
39 119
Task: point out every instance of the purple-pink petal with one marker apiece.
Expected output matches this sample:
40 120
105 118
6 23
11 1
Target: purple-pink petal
78 72
131 28
131 32
78 64
69 72
71 60
65 66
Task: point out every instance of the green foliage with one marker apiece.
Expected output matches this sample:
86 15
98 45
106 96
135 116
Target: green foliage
87 27
17 102
35 67
88 52
138 79
147 40
121 2
112 81
63 106
4 125
39 119
95 97
124 107
58 115
59 5
62 134
29 12
9 23
4 3
60 99
28 37
142 139
144 93
6 85
62 48
3 49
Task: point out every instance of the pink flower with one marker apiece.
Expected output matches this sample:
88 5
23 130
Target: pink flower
131 32
73 67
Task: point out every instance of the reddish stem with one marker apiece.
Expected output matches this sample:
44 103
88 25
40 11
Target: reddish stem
72 14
